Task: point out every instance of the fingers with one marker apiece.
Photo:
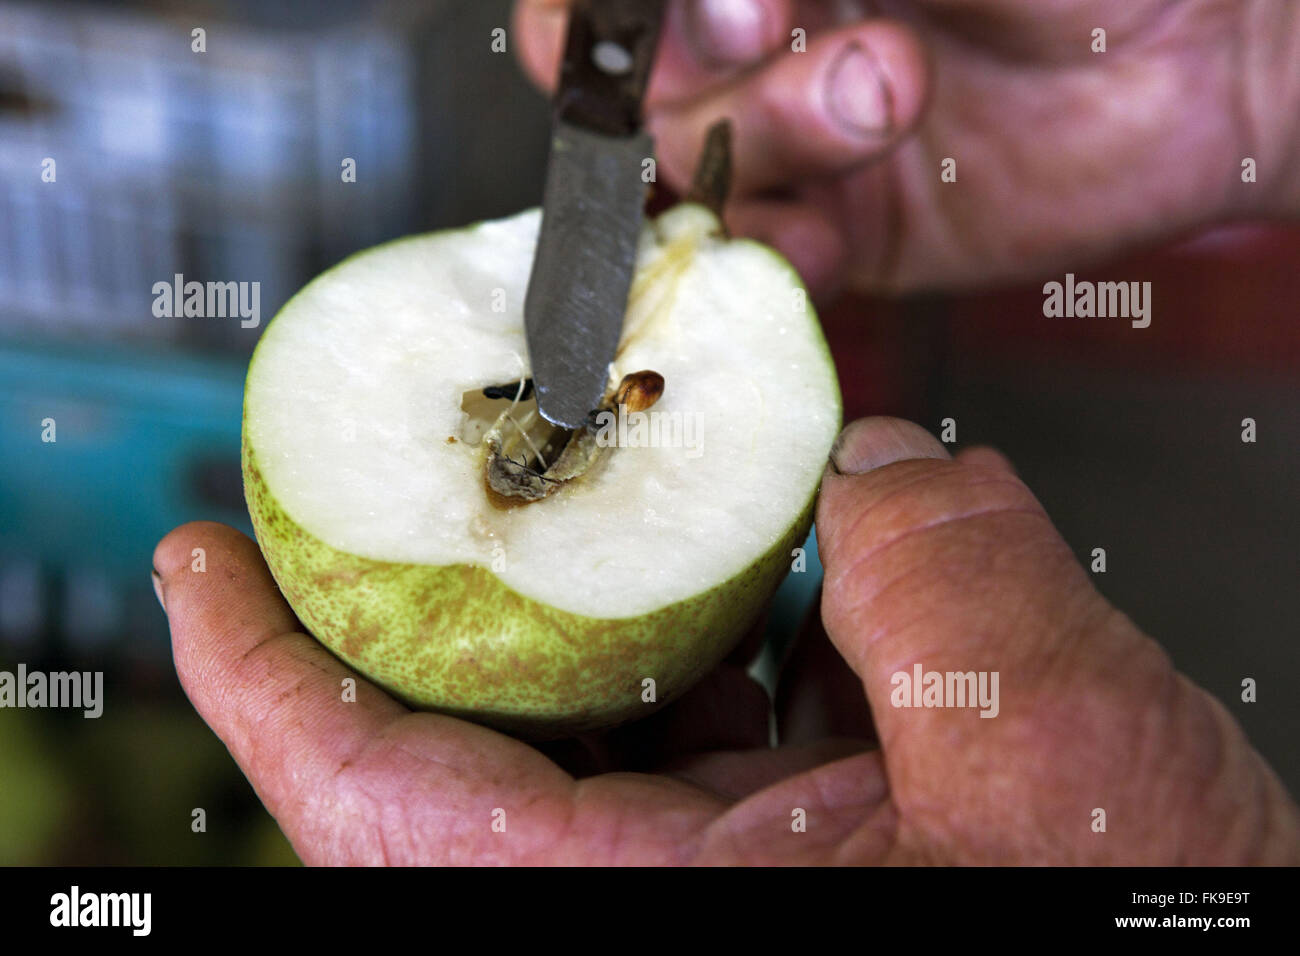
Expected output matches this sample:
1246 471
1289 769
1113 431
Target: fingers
871 443
953 561
703 43
802 111
819 695
539 30
848 99
734 775
329 768
270 692
843 98
951 568
367 781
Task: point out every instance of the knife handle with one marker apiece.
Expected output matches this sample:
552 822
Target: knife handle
606 68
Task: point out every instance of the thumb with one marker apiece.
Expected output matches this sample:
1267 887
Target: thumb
953 565
951 560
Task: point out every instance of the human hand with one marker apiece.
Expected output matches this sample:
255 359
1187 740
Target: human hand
951 564
1062 155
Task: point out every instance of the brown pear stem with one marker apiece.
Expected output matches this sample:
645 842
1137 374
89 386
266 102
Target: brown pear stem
712 182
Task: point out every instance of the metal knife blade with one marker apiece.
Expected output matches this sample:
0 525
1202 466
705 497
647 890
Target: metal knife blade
592 207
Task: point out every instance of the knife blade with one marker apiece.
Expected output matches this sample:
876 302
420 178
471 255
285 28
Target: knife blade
592 206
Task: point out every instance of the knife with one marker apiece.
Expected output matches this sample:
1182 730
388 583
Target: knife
592 206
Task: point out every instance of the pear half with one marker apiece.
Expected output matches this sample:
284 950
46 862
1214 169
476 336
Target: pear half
381 395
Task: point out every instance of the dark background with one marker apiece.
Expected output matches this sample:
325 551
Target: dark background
226 165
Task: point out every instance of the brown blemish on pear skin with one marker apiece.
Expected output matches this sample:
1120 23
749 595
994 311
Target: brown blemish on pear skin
359 634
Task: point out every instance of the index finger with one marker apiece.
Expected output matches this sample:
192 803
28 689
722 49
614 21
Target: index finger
704 43
363 779
271 692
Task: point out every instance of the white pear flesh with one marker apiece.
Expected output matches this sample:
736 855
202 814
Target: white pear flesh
365 477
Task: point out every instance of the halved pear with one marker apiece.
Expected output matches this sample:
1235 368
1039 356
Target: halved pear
382 395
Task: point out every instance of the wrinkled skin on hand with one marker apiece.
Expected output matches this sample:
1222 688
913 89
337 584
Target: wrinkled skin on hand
950 563
1062 155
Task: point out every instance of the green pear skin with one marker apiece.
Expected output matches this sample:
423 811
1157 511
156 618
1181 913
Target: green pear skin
454 639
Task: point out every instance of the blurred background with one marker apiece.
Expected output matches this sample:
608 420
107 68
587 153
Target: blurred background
226 165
